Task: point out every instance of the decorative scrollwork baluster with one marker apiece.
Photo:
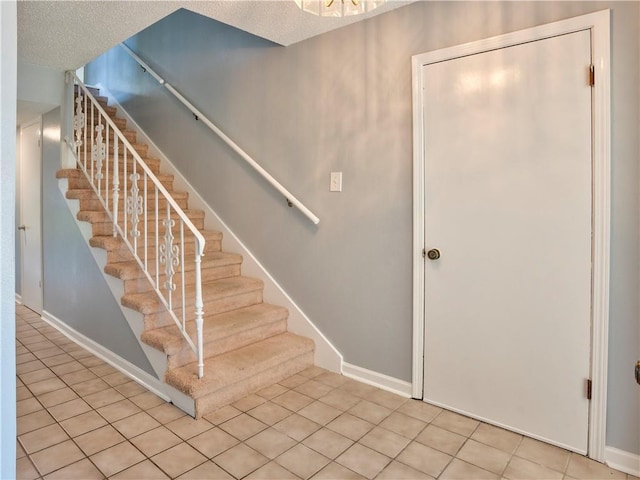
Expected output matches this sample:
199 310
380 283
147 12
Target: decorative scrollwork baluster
78 121
134 205
98 152
169 256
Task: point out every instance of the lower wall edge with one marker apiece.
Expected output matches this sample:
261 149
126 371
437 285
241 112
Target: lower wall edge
129 369
624 461
375 379
18 299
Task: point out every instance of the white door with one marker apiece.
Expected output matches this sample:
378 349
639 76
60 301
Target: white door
30 211
508 202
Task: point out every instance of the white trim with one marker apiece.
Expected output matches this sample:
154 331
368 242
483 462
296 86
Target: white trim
601 98
326 354
626 462
18 299
145 379
599 24
375 379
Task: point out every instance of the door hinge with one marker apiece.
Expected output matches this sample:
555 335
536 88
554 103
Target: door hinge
589 388
592 75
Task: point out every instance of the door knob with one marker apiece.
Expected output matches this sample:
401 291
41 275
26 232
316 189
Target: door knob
22 227
433 254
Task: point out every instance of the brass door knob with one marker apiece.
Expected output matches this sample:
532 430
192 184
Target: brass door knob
433 254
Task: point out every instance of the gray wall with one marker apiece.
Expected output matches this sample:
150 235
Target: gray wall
74 289
342 102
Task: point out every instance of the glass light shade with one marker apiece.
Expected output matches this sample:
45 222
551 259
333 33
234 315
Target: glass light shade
338 8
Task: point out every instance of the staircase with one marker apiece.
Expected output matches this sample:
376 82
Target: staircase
245 342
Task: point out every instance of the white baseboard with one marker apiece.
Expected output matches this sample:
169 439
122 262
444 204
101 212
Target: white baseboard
145 379
18 299
624 461
326 355
375 379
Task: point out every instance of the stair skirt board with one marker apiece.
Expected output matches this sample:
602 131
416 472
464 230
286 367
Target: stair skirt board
246 342
327 355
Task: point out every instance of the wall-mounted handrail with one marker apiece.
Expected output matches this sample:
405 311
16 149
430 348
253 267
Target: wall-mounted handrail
109 162
291 199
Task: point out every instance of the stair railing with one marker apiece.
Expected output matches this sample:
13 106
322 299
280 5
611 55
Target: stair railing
139 206
292 201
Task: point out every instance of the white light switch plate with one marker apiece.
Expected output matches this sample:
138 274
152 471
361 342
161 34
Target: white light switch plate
336 182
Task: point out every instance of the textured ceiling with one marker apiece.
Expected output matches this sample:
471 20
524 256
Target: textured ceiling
68 34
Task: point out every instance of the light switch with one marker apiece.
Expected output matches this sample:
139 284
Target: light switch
336 182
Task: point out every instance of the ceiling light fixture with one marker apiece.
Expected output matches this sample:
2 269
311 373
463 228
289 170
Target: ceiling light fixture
338 8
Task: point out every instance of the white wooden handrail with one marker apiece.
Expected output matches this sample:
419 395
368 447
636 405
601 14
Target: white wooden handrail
291 199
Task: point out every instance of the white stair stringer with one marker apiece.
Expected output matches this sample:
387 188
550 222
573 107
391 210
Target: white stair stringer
157 359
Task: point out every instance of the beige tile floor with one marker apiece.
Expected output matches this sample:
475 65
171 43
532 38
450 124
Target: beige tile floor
80 418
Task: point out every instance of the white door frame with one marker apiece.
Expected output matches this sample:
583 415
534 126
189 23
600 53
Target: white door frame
599 24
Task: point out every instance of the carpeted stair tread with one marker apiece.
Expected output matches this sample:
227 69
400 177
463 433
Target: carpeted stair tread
109 242
216 327
89 194
238 365
149 302
100 217
92 202
131 270
77 173
69 173
141 149
152 162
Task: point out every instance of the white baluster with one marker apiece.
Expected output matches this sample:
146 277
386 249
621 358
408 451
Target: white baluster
98 154
116 185
199 304
134 209
169 255
79 120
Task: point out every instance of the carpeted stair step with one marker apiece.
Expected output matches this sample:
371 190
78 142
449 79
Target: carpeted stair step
151 162
218 296
92 90
213 266
78 181
233 375
89 108
101 100
109 110
196 217
141 148
221 333
121 123
89 200
117 247
95 119
124 181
